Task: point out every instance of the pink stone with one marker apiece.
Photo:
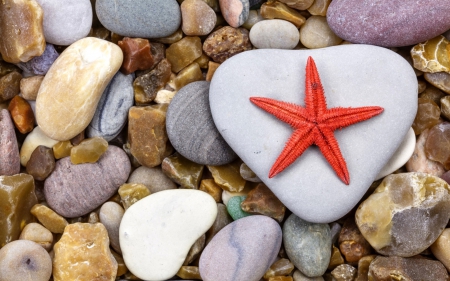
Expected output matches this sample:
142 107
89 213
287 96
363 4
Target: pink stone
9 151
235 12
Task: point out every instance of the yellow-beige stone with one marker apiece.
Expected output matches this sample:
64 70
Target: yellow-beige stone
71 89
49 218
432 55
83 253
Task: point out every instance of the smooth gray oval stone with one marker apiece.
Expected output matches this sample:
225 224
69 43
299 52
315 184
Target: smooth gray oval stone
75 190
308 245
153 178
139 18
242 250
9 150
110 215
112 110
191 129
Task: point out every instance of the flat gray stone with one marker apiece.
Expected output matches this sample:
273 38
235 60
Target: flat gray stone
388 23
352 76
139 18
9 150
242 250
112 110
308 245
191 129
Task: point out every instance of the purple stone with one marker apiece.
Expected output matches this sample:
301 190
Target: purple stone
388 23
40 65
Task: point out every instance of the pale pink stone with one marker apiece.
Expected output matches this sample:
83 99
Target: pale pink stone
235 12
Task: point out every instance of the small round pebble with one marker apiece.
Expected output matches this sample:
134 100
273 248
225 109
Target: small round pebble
191 129
274 34
111 215
38 234
316 33
24 260
153 178
198 17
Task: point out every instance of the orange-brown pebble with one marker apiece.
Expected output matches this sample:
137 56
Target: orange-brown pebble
279 268
281 278
212 67
22 114
278 10
136 55
49 218
210 187
352 243
226 42
261 200
62 149
9 85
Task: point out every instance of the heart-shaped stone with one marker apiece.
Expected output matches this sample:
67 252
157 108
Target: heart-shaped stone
352 76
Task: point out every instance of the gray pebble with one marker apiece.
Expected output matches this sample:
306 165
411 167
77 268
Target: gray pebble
153 178
111 215
191 129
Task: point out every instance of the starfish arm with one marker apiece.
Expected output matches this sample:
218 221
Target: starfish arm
290 113
329 147
315 100
300 140
339 117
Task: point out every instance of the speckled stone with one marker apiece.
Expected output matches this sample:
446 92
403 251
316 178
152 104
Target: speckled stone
274 34
41 64
191 129
112 109
9 150
153 178
235 12
139 18
388 23
243 250
308 245
66 21
75 190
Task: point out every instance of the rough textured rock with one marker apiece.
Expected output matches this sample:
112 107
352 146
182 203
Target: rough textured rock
183 52
226 42
75 190
389 24
137 55
405 214
182 171
41 163
73 86
191 130
261 200
41 64
9 150
130 193
243 250
352 243
10 85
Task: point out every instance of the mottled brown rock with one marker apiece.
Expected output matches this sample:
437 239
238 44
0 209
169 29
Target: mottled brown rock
445 107
137 55
419 161
363 268
226 42
335 259
83 253
440 80
261 200
93 218
437 146
100 33
298 4
22 114
51 220
279 268
195 250
427 116
432 55
130 193
147 86
9 150
17 197
344 272
278 10
182 171
421 85
76 140
41 163
189 272
88 151
173 38
198 18
29 86
38 234
184 52
147 134
210 187
10 85
405 214
24 39
189 74
228 176
6 68
62 149
432 93
75 190
352 243
212 67
319 7
280 278
404 269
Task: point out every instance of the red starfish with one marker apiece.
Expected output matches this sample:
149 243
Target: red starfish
314 124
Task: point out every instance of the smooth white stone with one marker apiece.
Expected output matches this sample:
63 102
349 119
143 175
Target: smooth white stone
274 34
157 232
33 140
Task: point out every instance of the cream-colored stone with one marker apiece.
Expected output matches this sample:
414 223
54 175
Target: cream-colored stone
33 140
441 248
164 96
29 86
38 234
70 92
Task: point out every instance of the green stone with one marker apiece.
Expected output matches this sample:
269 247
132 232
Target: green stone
234 208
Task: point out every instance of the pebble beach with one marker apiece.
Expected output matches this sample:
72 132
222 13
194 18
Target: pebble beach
224 140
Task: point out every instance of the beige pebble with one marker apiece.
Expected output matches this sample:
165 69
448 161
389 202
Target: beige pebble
38 234
111 215
316 33
49 218
29 86
441 248
33 140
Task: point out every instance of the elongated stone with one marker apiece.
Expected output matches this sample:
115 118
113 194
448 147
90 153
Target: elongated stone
73 86
298 4
278 10
88 151
17 197
222 220
9 150
440 80
198 17
187 75
24 39
22 114
51 220
110 215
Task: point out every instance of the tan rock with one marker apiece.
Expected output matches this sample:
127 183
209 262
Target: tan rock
33 140
29 86
298 4
210 187
261 200
441 248
198 17
83 253
38 234
49 218
71 89
24 39
228 177
130 193
182 171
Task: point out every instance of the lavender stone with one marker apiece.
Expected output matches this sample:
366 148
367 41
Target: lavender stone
40 65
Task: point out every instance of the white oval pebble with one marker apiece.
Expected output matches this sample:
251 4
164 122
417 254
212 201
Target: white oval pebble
401 156
274 34
157 232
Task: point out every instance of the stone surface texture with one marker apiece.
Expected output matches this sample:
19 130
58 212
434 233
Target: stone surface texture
274 34
235 12
389 24
73 86
198 17
75 190
315 194
226 42
9 150
31 142
153 178
40 65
